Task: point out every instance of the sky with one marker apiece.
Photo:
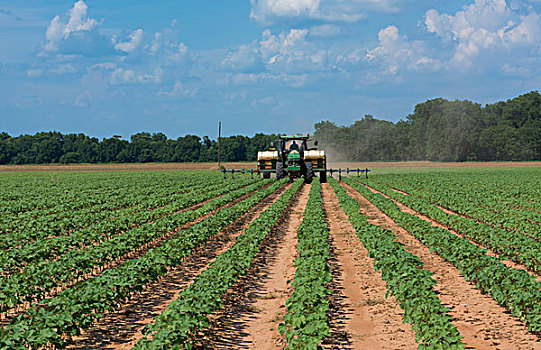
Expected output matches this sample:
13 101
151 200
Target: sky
120 67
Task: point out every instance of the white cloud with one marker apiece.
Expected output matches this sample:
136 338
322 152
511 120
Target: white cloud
48 71
243 59
483 26
134 42
252 78
395 52
130 76
178 52
166 47
286 52
265 11
54 33
78 22
64 69
179 90
156 43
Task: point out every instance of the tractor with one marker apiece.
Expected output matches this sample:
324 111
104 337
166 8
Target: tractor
293 158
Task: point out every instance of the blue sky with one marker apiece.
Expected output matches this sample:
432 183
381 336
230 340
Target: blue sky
178 67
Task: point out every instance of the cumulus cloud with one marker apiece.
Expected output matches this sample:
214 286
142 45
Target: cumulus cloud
178 52
283 52
252 78
283 48
483 26
134 41
166 47
78 34
179 90
78 24
245 58
288 57
130 76
265 11
79 20
395 52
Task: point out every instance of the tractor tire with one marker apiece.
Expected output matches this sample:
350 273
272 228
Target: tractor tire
322 176
279 170
309 176
266 175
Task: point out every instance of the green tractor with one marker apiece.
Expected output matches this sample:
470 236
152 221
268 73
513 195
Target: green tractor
293 158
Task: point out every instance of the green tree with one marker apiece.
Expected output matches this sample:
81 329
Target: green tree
187 149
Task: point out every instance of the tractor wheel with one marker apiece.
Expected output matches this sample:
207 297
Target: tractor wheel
323 176
279 170
309 173
266 175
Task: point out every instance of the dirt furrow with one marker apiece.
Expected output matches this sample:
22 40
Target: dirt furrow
361 317
480 320
506 262
256 305
121 329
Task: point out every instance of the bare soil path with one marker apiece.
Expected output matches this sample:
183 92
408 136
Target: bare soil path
250 317
361 317
123 328
480 320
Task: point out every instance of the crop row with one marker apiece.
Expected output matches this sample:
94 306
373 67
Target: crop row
406 280
65 219
175 327
305 324
36 281
519 248
75 194
28 228
46 249
513 209
53 321
47 194
514 289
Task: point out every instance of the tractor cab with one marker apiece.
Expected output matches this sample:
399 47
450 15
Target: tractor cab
295 145
291 153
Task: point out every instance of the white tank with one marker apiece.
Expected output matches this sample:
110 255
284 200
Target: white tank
314 154
267 155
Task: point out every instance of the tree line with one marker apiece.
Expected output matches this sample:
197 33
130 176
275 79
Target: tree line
143 147
437 130
442 130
